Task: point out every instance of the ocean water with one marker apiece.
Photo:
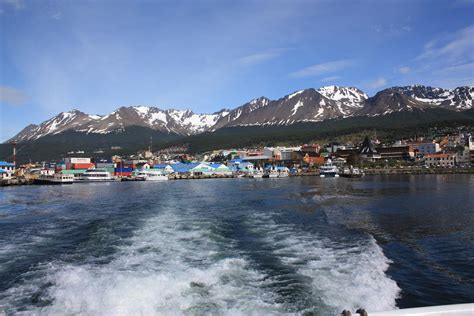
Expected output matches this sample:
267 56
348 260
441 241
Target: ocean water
237 246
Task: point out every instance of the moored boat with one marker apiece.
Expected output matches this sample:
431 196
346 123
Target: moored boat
352 173
328 170
151 175
96 175
57 178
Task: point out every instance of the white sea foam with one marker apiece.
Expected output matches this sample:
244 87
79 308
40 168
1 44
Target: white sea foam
170 267
181 264
344 276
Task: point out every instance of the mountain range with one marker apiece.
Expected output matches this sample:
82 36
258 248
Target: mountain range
309 105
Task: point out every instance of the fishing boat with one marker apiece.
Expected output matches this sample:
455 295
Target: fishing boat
352 173
151 175
276 172
328 170
57 178
96 175
257 173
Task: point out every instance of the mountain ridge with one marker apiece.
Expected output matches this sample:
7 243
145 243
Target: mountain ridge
308 105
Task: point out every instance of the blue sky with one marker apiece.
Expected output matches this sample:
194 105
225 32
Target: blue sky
206 55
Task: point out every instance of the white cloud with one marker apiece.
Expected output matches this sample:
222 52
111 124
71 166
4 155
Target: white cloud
321 69
450 47
377 83
447 60
256 58
12 96
261 57
404 69
332 78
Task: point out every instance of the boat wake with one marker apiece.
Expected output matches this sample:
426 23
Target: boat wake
188 263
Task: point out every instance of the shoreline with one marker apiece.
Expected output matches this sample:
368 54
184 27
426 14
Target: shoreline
372 171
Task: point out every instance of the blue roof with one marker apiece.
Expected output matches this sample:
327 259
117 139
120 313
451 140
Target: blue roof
6 164
183 167
217 165
236 160
3 171
161 165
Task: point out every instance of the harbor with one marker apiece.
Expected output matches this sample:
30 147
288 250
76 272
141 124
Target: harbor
268 162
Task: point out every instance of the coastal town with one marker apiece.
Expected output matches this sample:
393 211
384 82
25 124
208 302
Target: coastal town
443 154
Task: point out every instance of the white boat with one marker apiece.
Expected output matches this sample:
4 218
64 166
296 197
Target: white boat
352 173
151 175
57 178
257 173
328 170
96 175
277 172
283 174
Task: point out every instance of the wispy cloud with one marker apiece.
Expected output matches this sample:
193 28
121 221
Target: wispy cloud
321 69
260 57
450 47
331 78
447 60
404 69
377 83
12 96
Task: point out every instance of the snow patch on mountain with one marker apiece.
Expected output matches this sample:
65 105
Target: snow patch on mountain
294 94
296 107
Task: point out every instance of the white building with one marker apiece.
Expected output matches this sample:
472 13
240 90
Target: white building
440 160
428 148
7 166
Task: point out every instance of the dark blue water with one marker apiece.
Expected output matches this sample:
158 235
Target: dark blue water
237 246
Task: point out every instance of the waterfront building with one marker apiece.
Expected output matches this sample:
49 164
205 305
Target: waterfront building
397 152
260 160
440 160
5 175
367 150
428 148
221 169
7 167
164 168
183 169
202 169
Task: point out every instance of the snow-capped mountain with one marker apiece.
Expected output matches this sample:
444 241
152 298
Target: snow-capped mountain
460 98
301 106
55 125
181 122
309 105
348 99
388 101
